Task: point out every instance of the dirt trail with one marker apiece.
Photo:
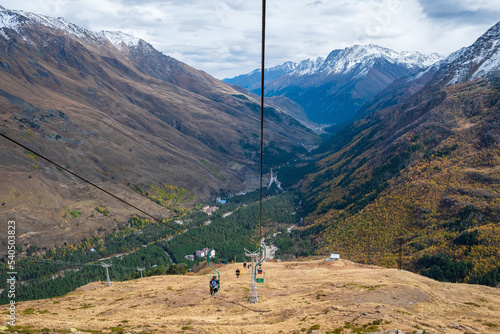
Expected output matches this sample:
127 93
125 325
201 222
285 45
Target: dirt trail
298 297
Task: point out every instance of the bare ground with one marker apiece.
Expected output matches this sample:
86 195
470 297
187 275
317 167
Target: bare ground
297 297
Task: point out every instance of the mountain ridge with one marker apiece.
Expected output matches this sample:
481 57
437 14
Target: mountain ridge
119 116
479 60
342 60
333 89
419 171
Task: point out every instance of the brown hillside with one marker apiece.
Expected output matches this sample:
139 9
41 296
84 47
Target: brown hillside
117 116
298 297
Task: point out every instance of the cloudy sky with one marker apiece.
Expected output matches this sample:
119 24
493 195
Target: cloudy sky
222 37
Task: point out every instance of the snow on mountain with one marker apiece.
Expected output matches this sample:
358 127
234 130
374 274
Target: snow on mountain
119 38
349 59
358 57
479 60
309 66
8 20
489 65
332 89
14 19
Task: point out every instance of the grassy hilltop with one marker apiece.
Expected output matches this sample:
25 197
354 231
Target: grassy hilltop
298 297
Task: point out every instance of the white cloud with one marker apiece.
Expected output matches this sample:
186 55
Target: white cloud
222 37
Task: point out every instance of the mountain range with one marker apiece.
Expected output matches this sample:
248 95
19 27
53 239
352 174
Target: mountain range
113 109
416 173
332 89
420 172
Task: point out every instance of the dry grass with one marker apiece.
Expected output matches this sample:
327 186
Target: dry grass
298 297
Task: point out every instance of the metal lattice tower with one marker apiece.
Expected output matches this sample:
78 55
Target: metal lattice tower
253 298
105 265
140 270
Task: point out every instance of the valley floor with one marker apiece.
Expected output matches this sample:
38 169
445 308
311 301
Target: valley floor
326 296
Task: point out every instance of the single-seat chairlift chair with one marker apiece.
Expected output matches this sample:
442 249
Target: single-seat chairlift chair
215 271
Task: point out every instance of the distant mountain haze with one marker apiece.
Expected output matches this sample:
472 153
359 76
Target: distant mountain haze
332 89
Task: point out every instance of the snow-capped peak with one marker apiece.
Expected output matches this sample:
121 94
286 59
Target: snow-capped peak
15 19
476 61
346 60
419 59
355 59
8 19
119 38
309 66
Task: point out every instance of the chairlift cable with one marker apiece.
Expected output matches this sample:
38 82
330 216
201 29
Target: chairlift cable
107 192
262 110
146 213
75 264
101 189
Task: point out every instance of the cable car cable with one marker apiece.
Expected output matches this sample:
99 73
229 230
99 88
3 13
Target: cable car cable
262 111
101 189
146 213
105 191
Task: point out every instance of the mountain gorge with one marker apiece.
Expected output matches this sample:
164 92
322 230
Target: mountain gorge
332 89
420 176
118 112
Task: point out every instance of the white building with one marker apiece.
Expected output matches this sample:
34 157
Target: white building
334 257
204 252
209 209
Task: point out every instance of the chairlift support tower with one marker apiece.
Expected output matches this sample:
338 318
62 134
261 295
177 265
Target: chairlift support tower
105 265
140 270
253 298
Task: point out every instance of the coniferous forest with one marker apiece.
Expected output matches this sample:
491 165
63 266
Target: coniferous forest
152 246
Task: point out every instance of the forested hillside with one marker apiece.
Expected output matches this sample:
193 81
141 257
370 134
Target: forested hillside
152 246
416 182
423 176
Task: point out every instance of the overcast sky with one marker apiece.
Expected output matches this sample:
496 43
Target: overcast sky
222 37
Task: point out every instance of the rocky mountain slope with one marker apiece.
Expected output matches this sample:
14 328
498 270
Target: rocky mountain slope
480 60
333 89
310 296
421 175
116 111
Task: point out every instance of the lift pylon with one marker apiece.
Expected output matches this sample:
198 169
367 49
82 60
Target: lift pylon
253 298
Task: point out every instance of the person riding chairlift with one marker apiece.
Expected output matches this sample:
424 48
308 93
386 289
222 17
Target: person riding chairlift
259 271
213 285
